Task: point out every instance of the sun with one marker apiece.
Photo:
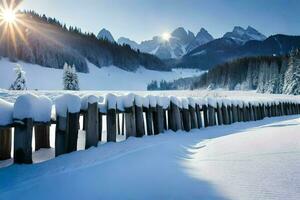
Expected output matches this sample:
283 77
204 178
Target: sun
8 15
166 36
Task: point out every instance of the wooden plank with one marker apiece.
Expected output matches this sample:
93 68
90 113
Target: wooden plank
186 120
220 115
235 115
225 114
42 136
23 142
92 128
5 143
149 120
140 127
130 124
72 132
111 124
211 116
176 116
60 135
194 122
205 115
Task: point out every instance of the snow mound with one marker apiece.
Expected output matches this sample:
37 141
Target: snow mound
67 103
31 106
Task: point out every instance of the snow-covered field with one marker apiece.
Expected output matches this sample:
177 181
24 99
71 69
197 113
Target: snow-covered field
254 160
106 78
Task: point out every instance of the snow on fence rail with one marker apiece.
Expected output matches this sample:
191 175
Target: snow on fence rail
150 115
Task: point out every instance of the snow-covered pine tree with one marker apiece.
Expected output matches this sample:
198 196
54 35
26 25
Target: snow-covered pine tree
70 78
292 75
20 82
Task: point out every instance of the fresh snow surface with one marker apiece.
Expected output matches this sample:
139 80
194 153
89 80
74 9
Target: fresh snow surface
31 106
105 78
253 160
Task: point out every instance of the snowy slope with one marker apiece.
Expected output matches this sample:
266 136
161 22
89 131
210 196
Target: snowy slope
106 78
254 160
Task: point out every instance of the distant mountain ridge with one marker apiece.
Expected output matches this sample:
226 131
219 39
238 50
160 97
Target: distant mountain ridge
181 42
226 49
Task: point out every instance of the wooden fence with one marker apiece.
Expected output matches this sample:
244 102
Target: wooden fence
132 116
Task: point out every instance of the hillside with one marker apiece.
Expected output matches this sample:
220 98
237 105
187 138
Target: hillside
265 74
46 42
104 78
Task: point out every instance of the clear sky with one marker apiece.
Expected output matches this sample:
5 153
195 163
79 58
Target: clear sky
142 19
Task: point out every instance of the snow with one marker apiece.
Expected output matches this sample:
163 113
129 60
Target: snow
6 110
105 78
89 99
111 101
67 103
253 160
31 106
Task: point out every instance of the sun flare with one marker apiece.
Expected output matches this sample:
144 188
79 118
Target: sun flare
8 15
166 36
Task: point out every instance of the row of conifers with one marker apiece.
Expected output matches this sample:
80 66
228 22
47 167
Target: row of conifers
128 115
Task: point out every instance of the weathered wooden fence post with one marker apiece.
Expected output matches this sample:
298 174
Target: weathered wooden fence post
226 113
234 113
6 114
130 122
67 123
5 143
23 141
220 114
186 119
198 114
60 135
192 110
139 116
72 131
175 115
111 122
205 115
92 129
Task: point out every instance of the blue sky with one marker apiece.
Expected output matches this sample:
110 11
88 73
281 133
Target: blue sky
142 19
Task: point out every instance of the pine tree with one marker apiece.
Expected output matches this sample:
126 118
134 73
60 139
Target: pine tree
292 75
20 82
70 78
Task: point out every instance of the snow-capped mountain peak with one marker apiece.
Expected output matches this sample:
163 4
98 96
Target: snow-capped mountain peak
106 35
201 38
242 35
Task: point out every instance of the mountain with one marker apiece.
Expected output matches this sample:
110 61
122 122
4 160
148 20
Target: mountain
105 35
226 49
201 38
131 43
242 35
178 45
52 45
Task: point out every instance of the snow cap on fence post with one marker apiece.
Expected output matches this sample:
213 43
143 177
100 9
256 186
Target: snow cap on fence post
6 113
67 103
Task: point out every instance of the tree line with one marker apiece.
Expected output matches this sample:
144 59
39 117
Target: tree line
46 41
266 74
